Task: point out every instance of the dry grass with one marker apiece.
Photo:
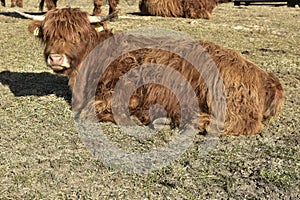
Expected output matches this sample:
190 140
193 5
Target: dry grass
42 157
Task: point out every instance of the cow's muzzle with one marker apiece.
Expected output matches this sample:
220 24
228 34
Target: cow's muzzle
58 62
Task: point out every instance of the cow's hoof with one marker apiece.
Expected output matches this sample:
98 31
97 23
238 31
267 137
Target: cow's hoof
162 123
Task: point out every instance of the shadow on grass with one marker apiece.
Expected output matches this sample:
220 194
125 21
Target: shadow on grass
17 15
36 84
137 14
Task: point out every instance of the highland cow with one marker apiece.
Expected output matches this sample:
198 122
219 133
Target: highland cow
180 8
51 4
253 96
14 3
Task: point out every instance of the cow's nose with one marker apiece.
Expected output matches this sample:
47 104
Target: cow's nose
55 59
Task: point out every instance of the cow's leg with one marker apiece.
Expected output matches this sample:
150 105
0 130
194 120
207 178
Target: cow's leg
20 3
13 3
113 5
97 7
41 6
51 4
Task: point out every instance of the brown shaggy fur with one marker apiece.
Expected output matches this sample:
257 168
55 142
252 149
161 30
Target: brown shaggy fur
80 37
180 8
14 3
51 4
253 96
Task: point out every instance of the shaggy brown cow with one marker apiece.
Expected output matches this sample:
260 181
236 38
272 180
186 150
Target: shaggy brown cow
14 3
180 8
51 4
253 96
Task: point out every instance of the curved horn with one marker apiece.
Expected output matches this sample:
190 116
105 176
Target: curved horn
97 19
33 17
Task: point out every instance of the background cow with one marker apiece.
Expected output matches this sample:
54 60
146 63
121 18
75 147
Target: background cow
14 3
253 96
180 8
51 4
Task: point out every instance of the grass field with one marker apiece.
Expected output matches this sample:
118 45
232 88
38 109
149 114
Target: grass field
42 156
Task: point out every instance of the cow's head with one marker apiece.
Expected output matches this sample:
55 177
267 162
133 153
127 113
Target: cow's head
69 35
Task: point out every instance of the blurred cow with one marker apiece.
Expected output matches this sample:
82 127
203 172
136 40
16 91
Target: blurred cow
51 4
180 8
253 96
14 3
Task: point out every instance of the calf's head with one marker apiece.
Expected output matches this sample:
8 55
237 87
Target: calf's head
69 35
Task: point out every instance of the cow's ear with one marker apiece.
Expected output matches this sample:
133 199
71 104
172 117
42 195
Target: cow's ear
34 27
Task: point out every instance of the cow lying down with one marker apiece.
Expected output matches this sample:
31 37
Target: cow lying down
180 8
253 96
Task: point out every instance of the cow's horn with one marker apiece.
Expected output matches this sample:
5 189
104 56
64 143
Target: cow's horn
33 17
97 19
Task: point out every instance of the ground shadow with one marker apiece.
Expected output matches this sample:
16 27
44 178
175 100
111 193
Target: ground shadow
136 13
17 15
36 84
